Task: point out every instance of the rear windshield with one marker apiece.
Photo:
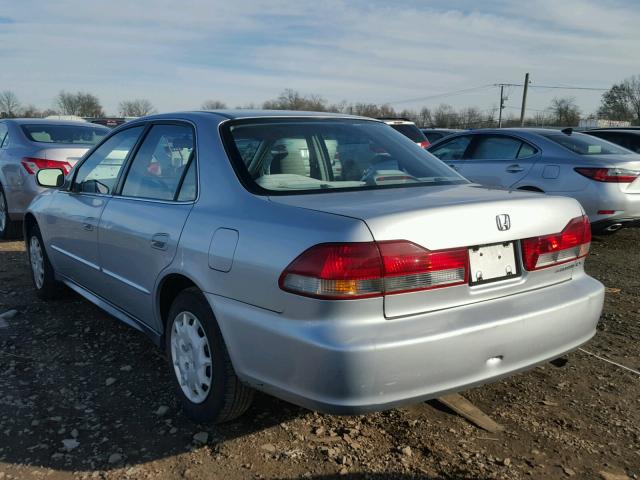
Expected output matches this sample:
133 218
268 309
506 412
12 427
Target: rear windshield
69 134
309 155
410 131
586 144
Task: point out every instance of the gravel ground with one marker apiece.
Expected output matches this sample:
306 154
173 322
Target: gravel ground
84 396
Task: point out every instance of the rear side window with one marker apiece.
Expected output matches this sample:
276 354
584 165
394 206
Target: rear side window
410 131
68 134
526 150
161 163
453 149
496 148
99 172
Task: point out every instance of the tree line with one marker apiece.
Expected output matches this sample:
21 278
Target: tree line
620 102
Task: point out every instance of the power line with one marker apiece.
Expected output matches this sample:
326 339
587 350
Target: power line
442 95
560 87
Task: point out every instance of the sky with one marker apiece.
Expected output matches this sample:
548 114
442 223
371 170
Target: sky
410 54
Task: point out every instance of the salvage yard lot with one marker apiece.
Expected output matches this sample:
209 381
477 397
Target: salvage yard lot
84 396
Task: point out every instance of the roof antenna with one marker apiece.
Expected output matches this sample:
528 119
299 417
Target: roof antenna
567 131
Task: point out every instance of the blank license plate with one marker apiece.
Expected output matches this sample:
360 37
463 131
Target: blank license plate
492 262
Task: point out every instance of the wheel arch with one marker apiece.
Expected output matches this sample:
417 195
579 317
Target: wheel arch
168 289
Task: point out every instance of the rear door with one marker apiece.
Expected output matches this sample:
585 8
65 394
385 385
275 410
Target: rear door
72 216
141 226
498 160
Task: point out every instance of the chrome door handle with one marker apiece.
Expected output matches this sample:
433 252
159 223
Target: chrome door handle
159 241
515 168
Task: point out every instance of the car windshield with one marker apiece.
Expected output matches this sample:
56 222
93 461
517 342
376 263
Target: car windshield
586 144
69 134
409 130
294 155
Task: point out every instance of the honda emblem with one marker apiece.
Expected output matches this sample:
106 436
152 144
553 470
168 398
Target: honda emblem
503 221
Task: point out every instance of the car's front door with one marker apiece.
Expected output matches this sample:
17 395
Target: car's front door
71 218
141 225
497 160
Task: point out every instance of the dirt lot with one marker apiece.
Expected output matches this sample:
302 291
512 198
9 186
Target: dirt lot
84 396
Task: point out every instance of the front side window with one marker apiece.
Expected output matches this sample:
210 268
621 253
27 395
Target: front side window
293 155
99 172
161 163
583 144
68 134
453 149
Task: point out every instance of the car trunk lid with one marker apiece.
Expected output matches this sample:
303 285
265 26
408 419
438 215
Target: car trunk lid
449 217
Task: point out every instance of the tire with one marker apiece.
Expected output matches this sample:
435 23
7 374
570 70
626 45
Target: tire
8 229
225 398
42 274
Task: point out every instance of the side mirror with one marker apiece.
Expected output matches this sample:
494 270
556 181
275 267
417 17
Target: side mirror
50 177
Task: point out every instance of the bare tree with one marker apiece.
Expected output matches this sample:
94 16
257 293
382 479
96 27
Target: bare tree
632 87
30 111
292 100
9 104
564 111
213 105
445 116
139 107
614 104
81 104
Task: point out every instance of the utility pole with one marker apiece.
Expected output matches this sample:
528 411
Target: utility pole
501 105
524 99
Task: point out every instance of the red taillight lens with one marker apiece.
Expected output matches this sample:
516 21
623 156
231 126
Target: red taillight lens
609 175
570 244
32 165
424 144
361 270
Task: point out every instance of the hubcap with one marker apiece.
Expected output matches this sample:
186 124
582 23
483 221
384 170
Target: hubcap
3 213
37 261
191 357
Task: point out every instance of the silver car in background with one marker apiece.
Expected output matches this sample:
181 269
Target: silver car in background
604 177
27 145
230 240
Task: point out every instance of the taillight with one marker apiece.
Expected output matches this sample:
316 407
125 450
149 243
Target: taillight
32 165
568 245
424 144
609 175
362 270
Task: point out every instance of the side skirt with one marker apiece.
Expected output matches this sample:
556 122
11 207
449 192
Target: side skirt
156 338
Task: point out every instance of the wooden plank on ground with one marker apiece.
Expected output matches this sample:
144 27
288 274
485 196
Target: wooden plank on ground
468 410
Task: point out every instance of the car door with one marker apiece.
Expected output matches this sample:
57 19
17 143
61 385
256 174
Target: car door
71 218
452 151
498 160
140 227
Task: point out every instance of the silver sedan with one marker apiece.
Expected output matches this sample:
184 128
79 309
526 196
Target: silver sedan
26 146
604 177
327 260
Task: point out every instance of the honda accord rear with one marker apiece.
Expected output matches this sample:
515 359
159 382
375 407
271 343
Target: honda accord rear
386 281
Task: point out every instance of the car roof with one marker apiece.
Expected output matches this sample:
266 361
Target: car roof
632 130
242 114
45 121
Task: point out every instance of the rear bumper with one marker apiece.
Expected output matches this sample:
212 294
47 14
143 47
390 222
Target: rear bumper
614 224
382 363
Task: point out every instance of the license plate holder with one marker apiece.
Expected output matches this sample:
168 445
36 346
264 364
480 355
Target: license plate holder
492 263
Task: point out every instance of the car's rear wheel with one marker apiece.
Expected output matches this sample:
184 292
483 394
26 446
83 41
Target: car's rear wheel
8 229
44 281
207 385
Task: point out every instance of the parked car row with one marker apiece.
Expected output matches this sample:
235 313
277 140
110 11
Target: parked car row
324 259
